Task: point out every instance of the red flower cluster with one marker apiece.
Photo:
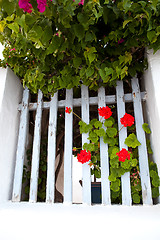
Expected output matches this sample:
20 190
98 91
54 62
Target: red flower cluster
84 156
68 110
105 112
123 155
127 120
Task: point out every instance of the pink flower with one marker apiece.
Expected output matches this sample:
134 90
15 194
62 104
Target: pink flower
81 2
41 5
13 49
121 41
25 5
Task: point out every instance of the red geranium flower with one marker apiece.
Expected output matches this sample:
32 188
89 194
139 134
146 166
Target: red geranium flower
105 112
84 156
127 120
68 110
123 155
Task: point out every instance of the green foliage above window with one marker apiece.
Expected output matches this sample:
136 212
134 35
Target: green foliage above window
94 43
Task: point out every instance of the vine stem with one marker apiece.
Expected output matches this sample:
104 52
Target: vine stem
77 116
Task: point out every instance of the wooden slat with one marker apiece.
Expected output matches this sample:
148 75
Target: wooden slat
105 183
17 185
86 175
142 149
68 143
36 151
51 149
110 99
125 179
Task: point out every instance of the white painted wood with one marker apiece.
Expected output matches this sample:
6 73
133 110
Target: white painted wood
142 149
86 174
51 149
110 99
105 183
125 179
17 185
36 151
68 144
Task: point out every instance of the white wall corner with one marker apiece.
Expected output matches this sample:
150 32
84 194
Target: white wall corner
10 97
152 87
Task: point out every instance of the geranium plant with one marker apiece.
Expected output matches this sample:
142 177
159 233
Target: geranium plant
121 161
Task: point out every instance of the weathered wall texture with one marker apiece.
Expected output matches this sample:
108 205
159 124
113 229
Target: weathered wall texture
10 96
152 87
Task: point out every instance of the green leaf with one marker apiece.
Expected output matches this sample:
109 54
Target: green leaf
100 132
112 153
136 198
82 18
112 178
77 61
110 141
98 124
89 147
29 19
84 127
89 37
134 162
115 186
111 132
151 35
115 194
79 31
109 122
149 149
126 22
89 71
47 34
114 162
126 165
93 137
155 192
108 71
35 33
97 173
54 45
146 128
14 26
8 6
132 141
156 181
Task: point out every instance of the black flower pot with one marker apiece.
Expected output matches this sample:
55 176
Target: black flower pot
96 192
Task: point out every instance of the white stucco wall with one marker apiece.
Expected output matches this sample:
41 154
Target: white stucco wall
152 87
10 96
29 221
